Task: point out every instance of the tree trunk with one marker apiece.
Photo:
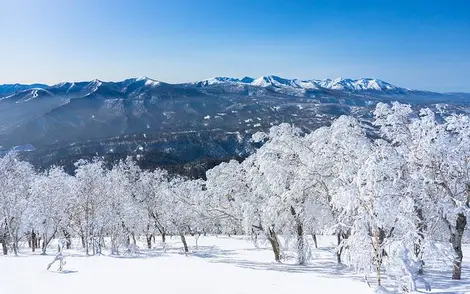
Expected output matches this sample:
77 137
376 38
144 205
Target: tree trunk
163 237
87 248
82 238
4 247
314 236
33 241
15 243
87 231
68 239
100 242
183 239
272 237
15 248
255 238
196 238
128 241
418 246
456 240
133 239
338 253
301 258
149 241
3 240
45 243
379 252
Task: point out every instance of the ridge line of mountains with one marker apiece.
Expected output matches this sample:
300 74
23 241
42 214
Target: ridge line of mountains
168 124
340 84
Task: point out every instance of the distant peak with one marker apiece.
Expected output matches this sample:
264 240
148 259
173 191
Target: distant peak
148 81
280 83
247 80
217 80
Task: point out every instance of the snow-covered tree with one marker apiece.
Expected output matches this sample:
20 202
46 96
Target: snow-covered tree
90 198
51 205
437 153
15 179
182 200
151 197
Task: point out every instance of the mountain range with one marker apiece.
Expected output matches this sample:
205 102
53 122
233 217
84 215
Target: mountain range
271 81
211 118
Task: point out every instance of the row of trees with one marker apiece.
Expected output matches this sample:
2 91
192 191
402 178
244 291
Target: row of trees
395 187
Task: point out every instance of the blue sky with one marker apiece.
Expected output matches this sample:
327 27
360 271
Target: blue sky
415 44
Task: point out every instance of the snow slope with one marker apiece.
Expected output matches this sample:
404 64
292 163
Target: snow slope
218 265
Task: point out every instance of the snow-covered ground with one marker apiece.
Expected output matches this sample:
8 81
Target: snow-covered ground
219 265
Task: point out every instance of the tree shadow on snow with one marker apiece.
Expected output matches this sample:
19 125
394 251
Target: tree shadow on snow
440 281
211 252
321 265
140 254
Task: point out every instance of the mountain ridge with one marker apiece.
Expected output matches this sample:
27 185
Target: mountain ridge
269 81
211 118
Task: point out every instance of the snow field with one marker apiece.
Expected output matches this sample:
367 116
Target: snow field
219 264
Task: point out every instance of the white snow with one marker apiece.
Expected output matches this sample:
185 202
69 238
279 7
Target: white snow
219 265
296 86
149 82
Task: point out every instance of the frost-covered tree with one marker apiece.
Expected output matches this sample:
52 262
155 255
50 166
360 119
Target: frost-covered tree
331 160
151 196
278 178
382 210
50 205
226 191
121 217
90 198
437 153
181 199
15 179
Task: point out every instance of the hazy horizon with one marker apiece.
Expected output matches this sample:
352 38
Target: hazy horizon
412 45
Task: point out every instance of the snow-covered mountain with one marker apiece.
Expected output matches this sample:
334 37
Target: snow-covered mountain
8 89
340 84
209 118
297 87
363 84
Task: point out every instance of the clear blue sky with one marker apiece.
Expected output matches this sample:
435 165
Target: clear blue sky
415 44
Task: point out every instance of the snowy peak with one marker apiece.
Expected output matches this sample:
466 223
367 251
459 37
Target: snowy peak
142 86
285 84
363 84
276 82
373 84
217 80
148 81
